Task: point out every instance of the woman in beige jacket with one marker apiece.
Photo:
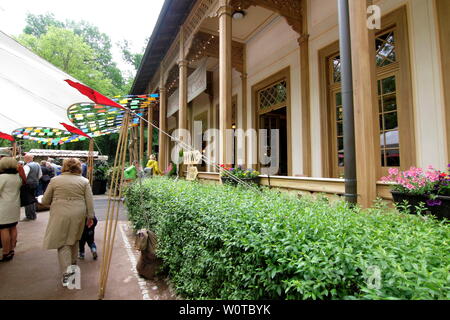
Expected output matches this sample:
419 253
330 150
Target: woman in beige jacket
10 183
71 202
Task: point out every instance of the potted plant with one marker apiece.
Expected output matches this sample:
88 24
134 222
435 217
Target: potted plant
233 175
421 190
100 177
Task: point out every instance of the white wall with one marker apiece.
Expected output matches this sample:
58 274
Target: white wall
323 27
427 85
269 51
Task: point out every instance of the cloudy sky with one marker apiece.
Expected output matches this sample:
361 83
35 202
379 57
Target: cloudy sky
133 20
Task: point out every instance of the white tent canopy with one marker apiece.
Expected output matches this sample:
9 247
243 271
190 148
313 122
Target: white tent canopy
33 91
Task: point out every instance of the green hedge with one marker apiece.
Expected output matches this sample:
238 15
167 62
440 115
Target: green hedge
223 242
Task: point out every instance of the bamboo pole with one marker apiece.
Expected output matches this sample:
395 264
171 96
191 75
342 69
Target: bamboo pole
111 202
115 216
90 164
14 149
141 141
119 163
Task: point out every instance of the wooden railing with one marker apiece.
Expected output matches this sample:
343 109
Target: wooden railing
304 185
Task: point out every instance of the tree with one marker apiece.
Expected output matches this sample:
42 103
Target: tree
132 58
68 51
37 25
99 42
101 45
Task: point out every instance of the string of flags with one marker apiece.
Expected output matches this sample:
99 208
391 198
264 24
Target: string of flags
92 119
48 136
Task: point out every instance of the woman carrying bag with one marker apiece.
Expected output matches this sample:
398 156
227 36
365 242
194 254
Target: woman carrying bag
71 208
10 184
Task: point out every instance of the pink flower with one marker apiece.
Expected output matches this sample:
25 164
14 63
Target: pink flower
393 171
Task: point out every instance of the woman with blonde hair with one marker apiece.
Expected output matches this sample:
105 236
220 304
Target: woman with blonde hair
71 202
10 183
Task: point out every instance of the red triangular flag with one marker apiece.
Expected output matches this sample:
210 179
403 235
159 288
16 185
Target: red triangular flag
95 96
6 136
74 130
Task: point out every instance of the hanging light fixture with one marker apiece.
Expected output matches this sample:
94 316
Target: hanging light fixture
238 14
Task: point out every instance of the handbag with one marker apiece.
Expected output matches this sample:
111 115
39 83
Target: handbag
27 195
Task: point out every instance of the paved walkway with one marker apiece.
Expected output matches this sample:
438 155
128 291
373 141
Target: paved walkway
34 272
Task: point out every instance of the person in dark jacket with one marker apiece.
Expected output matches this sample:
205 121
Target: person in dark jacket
33 172
45 178
88 236
84 168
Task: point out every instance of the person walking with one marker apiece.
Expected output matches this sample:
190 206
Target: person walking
56 168
71 203
10 183
45 179
33 173
51 170
84 168
89 238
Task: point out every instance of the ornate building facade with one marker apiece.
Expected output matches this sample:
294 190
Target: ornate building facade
248 65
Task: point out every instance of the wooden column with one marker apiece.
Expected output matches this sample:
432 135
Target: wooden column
141 141
225 69
365 103
303 41
163 141
150 131
244 78
182 64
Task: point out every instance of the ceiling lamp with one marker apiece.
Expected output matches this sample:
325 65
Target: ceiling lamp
238 15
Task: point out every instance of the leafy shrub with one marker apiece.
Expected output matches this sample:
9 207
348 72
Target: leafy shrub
221 242
101 170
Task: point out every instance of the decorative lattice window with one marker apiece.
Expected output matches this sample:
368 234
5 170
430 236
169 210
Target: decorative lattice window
388 116
273 96
386 51
385 55
335 69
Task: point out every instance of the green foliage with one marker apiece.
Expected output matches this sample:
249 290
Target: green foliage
221 242
101 170
99 72
239 172
131 58
37 25
68 51
80 49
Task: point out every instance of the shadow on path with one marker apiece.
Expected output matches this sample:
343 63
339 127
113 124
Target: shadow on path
33 274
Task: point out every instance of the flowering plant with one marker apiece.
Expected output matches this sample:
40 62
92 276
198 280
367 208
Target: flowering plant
416 181
239 172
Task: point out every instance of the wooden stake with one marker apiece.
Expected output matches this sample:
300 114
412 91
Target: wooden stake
14 149
90 162
117 180
141 141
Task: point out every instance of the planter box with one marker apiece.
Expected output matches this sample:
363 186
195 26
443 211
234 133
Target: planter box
233 182
441 212
99 187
